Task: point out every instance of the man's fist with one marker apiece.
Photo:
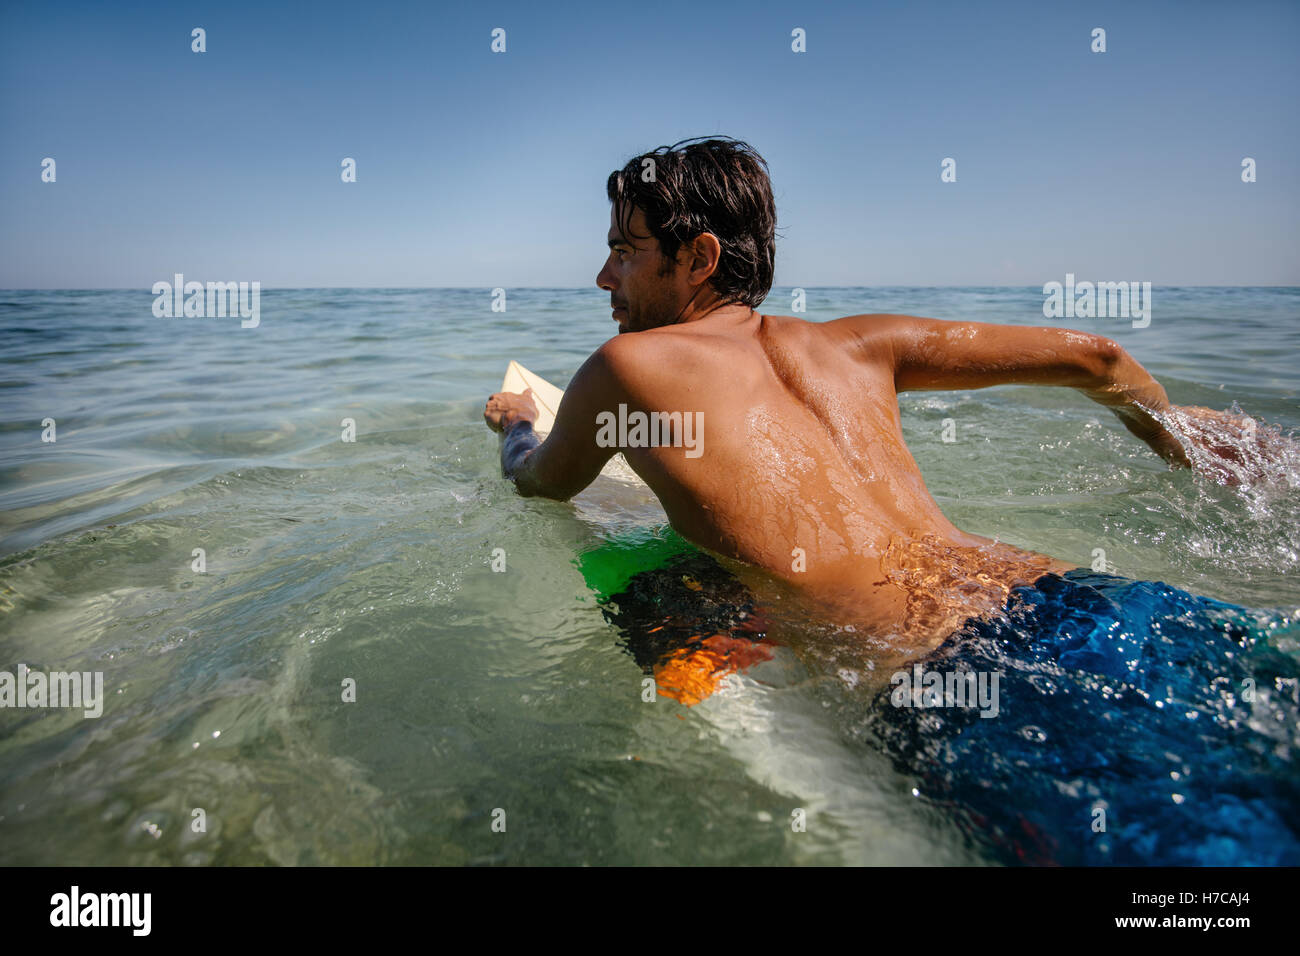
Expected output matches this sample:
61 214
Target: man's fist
505 408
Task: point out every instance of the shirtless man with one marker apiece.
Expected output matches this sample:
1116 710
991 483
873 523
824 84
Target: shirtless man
802 443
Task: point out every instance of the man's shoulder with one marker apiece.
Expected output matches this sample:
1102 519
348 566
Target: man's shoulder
653 363
636 348
621 368
639 360
619 353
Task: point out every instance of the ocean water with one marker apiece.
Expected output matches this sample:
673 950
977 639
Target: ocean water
501 718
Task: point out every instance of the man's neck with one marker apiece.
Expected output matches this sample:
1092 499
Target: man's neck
729 313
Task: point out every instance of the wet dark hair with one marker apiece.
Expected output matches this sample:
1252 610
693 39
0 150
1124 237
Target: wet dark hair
717 185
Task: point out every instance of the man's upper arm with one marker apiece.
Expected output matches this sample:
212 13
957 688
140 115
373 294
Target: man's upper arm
936 354
570 458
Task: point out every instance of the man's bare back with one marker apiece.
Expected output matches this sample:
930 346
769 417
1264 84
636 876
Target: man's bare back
805 474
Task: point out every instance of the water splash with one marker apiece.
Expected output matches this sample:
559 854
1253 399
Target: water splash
1247 515
1234 448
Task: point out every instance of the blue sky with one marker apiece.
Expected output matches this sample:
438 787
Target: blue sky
482 169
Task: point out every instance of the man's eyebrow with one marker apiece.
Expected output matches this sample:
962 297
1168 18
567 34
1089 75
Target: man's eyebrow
620 242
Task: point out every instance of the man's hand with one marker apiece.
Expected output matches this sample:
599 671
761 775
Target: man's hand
1231 448
506 408
1224 446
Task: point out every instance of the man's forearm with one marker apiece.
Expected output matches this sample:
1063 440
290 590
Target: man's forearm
520 440
1128 390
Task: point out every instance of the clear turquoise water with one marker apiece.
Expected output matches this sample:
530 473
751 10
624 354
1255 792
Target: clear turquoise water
476 691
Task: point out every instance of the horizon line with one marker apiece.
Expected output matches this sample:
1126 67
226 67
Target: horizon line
567 288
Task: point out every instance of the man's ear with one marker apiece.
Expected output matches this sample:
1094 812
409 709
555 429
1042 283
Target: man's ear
704 252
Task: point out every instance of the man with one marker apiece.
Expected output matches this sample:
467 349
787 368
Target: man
804 482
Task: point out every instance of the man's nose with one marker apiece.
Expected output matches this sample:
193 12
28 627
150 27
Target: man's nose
604 279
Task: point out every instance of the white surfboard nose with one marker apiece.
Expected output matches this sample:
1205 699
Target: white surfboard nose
545 395
547 399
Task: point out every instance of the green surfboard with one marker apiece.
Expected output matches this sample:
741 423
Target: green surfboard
608 567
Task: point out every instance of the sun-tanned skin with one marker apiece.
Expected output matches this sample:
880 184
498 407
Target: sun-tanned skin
802 443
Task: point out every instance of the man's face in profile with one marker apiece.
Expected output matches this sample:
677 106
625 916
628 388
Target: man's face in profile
642 293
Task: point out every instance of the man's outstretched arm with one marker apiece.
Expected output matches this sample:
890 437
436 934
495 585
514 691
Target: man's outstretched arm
934 354
570 458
